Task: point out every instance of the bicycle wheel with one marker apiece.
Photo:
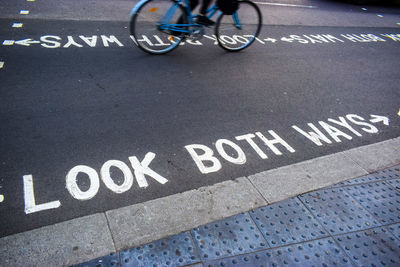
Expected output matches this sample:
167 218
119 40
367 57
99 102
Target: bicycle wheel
238 31
149 25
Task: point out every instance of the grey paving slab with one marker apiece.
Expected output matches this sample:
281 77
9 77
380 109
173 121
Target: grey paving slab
395 230
61 244
287 222
380 199
376 156
282 183
135 225
322 252
332 169
373 247
178 250
337 211
228 237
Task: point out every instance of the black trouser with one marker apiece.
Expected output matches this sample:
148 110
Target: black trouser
203 8
193 4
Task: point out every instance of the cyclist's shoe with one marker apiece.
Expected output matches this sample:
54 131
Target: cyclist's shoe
175 33
203 20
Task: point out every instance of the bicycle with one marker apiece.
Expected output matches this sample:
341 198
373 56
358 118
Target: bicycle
159 26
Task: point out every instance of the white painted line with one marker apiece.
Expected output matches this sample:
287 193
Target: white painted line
364 9
1 196
27 42
30 0
8 42
17 25
285 5
398 112
383 119
379 15
29 197
24 12
398 23
2 65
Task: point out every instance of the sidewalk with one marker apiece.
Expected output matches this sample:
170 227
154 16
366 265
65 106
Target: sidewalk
353 223
343 208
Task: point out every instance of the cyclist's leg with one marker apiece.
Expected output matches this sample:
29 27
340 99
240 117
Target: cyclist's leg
193 4
203 19
204 7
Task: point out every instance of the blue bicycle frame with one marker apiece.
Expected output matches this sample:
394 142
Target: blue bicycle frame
164 25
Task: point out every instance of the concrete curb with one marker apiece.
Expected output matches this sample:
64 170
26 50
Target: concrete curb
152 220
60 244
89 237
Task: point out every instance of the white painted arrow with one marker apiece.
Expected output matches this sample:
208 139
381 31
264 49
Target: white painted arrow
287 39
377 118
27 42
270 40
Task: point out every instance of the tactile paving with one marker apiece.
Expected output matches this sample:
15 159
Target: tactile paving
373 247
395 183
361 180
178 250
233 236
111 260
338 211
287 222
395 229
380 199
390 173
322 252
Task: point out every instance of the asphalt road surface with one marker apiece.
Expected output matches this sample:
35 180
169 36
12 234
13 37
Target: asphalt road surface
88 122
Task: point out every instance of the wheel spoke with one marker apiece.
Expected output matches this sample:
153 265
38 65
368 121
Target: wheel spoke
145 26
232 37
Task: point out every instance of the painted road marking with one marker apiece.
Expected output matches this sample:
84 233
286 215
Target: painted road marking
2 64
17 25
24 12
93 41
29 197
1 198
325 132
383 119
141 170
284 5
209 158
8 42
27 42
270 40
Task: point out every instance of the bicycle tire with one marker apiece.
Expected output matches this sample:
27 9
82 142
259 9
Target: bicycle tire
230 35
146 32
